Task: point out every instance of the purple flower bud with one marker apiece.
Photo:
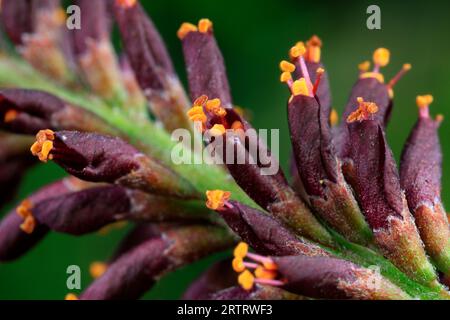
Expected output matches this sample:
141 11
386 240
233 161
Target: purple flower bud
320 171
370 89
13 240
204 63
373 175
98 158
143 45
420 173
330 278
83 211
265 234
38 30
95 24
89 210
28 111
17 19
14 161
311 142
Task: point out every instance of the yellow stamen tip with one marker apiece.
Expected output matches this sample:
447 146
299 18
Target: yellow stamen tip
237 125
439 118
334 118
241 250
286 66
320 71
375 75
24 209
213 103
238 265
285 76
424 101
299 87
126 3
381 57
314 41
246 280
407 66
217 130
28 224
364 66
184 29
216 199
214 106
10 115
43 145
205 25
365 109
71 296
97 269
196 114
263 273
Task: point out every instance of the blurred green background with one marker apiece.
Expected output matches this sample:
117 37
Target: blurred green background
254 36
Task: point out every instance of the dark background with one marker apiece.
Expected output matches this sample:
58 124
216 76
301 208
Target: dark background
254 37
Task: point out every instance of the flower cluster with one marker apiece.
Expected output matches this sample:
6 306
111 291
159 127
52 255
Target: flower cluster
348 226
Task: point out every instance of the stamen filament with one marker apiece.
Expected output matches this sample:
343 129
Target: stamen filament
406 67
319 72
305 73
274 283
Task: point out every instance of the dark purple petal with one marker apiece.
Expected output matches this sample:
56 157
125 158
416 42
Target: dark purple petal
205 67
16 19
132 274
95 24
330 278
35 110
421 165
89 210
143 45
311 142
374 173
319 171
98 158
369 89
15 160
83 211
273 193
265 234
420 172
13 241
